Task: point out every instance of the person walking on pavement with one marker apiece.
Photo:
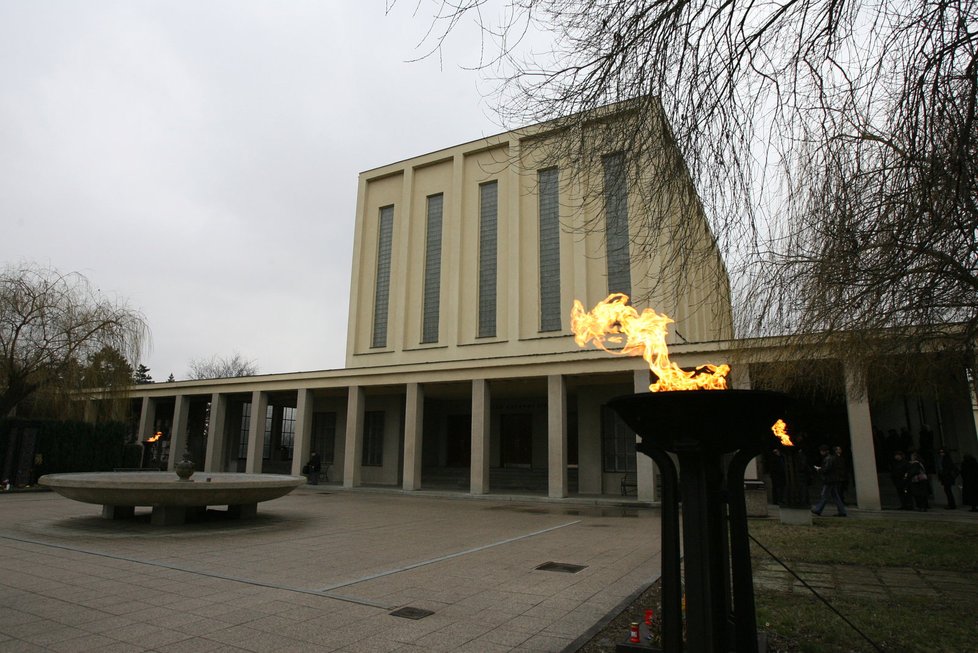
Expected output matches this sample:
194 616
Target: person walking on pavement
831 475
843 466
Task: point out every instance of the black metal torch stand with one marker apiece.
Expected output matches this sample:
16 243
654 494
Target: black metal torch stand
713 434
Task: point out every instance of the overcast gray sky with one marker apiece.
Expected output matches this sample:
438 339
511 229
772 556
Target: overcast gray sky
200 159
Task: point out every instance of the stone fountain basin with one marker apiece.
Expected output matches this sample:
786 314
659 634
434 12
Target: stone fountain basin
164 488
171 498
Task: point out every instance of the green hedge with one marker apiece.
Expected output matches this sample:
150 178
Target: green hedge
70 446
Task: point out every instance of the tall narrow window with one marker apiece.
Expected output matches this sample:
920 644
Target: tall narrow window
243 434
488 202
549 250
382 291
373 438
323 439
246 432
287 439
618 443
616 224
432 271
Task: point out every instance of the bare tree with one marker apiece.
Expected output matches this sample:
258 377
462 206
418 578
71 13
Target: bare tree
833 144
58 335
220 367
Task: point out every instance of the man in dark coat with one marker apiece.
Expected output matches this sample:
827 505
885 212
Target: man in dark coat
947 473
831 473
969 482
898 474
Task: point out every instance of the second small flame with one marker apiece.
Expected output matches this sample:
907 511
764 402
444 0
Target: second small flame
780 429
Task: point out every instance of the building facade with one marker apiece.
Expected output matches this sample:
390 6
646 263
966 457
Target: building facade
461 370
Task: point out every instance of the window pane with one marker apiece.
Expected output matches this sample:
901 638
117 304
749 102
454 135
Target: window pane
373 438
487 258
617 443
432 270
549 250
243 438
324 436
616 224
288 430
382 292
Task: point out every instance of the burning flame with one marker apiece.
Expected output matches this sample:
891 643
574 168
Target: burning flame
780 429
613 322
159 434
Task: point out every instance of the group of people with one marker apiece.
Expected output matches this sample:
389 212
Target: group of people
911 476
912 482
830 467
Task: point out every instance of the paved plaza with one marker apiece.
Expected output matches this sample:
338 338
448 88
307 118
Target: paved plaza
321 569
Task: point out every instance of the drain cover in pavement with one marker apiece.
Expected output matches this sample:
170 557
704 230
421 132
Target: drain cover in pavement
564 567
411 613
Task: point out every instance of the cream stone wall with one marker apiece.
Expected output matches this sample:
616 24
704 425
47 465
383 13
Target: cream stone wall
701 307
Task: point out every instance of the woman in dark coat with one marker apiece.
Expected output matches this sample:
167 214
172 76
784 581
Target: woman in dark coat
969 482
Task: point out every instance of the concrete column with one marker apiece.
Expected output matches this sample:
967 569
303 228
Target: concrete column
646 472
178 434
861 441
479 470
400 255
213 459
147 419
354 436
256 431
509 304
276 435
590 470
557 435
451 253
303 430
413 435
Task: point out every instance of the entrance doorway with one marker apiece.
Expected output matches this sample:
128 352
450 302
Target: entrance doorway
458 441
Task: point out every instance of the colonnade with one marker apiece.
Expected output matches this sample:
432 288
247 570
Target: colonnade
863 455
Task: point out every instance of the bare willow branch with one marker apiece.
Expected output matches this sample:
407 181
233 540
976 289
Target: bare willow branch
58 335
832 144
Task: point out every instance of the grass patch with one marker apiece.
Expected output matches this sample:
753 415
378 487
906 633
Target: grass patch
875 543
897 619
801 623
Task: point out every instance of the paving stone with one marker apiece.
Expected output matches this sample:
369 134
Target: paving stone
246 587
